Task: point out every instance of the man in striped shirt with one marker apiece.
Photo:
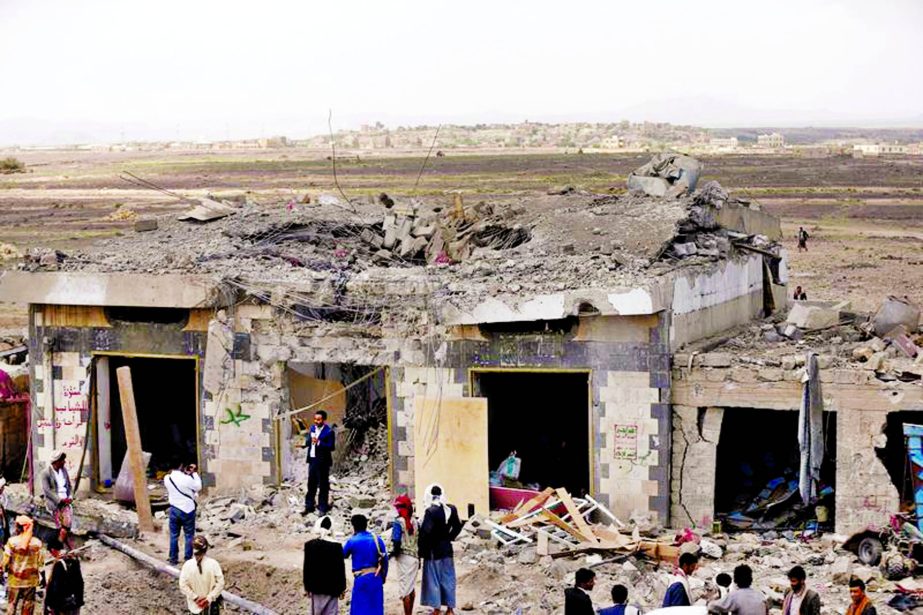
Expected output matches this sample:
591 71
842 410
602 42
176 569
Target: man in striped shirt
23 558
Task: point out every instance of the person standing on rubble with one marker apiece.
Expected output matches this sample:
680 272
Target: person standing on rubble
201 580
802 239
441 525
370 569
321 444
183 485
324 570
859 601
23 558
56 487
576 599
744 600
405 533
678 593
800 295
799 600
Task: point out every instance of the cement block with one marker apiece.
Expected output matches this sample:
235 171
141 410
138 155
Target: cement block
812 316
714 359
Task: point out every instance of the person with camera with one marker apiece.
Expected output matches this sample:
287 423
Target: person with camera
183 485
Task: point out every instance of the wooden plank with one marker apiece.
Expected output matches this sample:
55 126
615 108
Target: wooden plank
556 520
133 443
450 448
80 316
576 517
528 506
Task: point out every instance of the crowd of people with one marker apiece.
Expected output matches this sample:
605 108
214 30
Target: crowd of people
415 545
723 598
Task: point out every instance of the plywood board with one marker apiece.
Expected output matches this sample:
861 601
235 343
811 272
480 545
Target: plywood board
450 448
305 390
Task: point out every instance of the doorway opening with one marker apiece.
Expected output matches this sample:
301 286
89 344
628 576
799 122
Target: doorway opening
166 400
544 417
756 478
13 439
894 454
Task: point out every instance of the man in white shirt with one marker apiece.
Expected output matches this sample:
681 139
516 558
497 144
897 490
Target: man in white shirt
201 580
183 485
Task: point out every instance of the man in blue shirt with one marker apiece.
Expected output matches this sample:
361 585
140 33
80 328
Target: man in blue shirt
678 593
620 603
321 444
370 569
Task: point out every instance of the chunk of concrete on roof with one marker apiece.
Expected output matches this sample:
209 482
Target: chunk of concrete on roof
109 289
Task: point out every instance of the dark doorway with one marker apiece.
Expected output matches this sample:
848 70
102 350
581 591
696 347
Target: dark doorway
757 469
13 440
543 416
894 454
166 400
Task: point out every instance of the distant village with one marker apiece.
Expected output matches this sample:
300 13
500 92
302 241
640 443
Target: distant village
572 137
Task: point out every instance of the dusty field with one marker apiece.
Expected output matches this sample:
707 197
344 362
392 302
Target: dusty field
865 215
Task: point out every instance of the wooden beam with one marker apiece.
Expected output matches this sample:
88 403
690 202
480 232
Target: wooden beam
556 520
536 501
576 518
133 443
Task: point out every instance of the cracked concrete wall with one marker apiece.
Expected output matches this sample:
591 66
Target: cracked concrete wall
864 494
696 432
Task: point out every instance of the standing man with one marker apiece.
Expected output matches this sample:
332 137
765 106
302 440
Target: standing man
183 485
800 295
201 580
678 593
64 589
441 525
321 444
576 599
744 600
56 487
405 533
860 603
370 569
802 239
23 557
324 570
800 600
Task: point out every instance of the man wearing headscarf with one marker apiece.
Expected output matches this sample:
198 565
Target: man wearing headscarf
201 580
404 537
56 487
324 570
370 569
441 525
23 558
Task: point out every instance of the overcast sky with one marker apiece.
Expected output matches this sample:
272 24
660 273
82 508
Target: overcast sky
204 69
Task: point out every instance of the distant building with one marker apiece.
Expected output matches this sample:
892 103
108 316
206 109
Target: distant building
775 140
723 143
880 149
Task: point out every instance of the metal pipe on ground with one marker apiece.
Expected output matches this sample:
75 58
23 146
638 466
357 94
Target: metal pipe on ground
147 560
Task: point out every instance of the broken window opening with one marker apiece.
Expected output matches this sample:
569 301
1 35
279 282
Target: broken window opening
525 327
166 398
757 469
893 454
544 417
152 315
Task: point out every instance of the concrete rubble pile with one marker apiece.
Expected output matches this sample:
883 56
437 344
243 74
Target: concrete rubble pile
408 263
841 337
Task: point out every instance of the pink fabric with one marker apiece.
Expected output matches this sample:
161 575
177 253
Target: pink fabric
7 390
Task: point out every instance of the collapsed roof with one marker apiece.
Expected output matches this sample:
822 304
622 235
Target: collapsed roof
344 258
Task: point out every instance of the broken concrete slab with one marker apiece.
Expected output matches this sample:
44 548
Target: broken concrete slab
666 175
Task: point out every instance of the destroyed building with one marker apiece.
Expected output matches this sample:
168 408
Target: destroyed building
546 325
